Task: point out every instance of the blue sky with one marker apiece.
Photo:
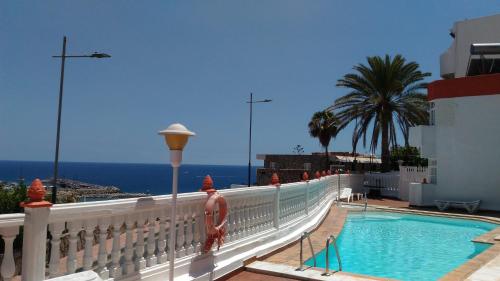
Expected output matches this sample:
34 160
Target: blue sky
196 62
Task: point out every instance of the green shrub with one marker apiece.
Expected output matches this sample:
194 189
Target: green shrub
10 198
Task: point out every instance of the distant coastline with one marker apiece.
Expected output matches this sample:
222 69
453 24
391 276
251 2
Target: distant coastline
83 191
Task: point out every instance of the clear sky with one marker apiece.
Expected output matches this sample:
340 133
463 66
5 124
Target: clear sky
196 62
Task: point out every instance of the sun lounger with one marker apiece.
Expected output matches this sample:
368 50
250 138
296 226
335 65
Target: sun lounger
346 194
471 206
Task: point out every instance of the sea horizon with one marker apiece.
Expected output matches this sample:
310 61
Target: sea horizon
153 178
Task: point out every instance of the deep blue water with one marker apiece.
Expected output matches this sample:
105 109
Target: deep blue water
153 178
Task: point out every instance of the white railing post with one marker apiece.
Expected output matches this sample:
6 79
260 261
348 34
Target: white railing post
34 242
277 208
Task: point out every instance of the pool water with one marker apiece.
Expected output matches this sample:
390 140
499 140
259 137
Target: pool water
405 246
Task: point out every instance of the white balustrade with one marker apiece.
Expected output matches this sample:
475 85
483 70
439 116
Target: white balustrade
131 235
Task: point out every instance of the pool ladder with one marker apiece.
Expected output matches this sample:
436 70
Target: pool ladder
330 239
327 260
366 202
302 237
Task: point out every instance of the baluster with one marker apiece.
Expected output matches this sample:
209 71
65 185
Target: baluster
246 216
150 249
257 211
88 258
55 248
242 217
116 270
129 245
140 261
202 227
256 216
251 215
180 234
189 230
73 230
162 242
229 224
197 230
102 258
237 220
8 267
270 213
264 213
260 214
234 218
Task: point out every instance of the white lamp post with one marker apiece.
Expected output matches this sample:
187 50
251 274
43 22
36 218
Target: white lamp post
176 137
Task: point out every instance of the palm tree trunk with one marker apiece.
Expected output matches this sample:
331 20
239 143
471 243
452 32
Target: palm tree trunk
327 158
386 156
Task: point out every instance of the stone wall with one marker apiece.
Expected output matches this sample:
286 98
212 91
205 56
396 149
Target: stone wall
318 162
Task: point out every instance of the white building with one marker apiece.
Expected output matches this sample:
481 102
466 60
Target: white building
462 140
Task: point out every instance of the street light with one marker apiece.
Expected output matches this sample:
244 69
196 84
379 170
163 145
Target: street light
251 102
63 57
176 137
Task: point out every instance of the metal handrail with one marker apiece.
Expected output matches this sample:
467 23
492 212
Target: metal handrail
327 261
302 237
366 202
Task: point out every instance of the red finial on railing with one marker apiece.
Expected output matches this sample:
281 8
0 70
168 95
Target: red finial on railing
323 173
36 194
336 172
208 184
275 180
317 175
348 172
329 172
305 176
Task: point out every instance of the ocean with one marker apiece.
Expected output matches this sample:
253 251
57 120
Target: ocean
155 179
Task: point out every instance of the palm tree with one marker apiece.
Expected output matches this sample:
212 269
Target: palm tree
324 126
382 93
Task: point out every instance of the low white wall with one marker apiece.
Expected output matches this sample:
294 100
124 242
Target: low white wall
421 195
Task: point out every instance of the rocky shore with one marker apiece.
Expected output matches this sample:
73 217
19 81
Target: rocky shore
78 191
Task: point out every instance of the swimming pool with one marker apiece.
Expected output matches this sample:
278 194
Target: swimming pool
405 246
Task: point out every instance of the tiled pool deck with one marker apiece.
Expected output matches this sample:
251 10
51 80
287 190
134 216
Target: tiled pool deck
484 267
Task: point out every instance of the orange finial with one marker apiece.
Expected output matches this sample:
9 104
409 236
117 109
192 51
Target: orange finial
323 173
329 172
317 175
36 193
208 184
336 172
305 176
275 180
